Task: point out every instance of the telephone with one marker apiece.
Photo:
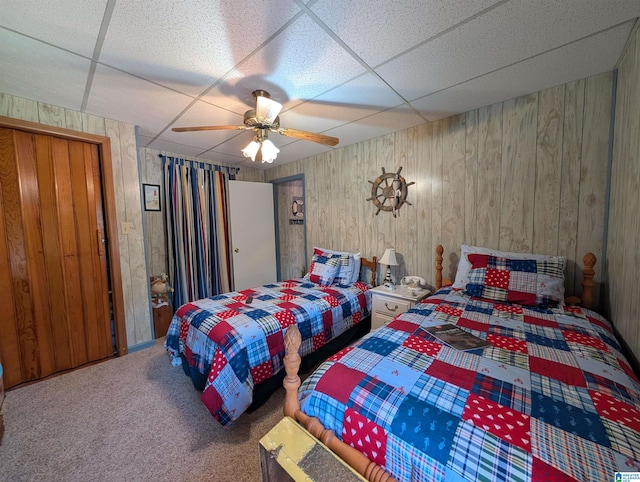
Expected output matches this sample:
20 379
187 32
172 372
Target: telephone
414 283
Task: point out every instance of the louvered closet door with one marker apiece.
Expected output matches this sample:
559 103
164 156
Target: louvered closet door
53 267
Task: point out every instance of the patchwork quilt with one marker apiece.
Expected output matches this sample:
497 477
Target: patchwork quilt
551 399
237 344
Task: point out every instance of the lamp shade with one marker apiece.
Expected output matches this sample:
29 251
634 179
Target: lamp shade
389 257
269 151
251 150
267 110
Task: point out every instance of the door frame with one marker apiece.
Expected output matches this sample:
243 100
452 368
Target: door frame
275 182
106 170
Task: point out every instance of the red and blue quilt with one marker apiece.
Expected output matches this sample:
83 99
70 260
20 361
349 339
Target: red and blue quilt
237 344
551 399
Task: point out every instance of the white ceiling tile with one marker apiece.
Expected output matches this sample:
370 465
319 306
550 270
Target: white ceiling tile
234 145
119 96
189 44
218 157
354 100
375 125
188 152
299 150
33 70
299 64
69 24
497 39
379 29
575 61
203 114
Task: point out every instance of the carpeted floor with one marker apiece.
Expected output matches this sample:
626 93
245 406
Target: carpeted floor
133 418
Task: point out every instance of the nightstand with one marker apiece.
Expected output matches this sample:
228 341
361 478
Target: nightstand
387 304
162 317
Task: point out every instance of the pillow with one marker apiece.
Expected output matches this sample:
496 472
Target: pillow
349 270
462 274
324 267
356 267
527 282
343 277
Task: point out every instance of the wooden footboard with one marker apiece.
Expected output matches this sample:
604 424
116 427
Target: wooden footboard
354 458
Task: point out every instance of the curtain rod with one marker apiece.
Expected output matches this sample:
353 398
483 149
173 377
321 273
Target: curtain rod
228 167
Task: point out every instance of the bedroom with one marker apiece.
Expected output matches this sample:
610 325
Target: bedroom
346 207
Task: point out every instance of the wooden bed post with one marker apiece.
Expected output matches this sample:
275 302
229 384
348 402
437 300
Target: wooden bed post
439 251
440 281
586 298
589 261
354 458
292 360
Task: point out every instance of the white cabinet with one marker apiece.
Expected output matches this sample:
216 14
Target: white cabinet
387 304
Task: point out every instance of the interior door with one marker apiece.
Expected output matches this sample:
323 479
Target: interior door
291 238
53 262
252 233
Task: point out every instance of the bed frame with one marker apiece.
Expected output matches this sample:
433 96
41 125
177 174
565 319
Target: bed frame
354 458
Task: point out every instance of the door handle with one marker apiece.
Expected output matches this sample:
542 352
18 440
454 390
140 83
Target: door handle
100 242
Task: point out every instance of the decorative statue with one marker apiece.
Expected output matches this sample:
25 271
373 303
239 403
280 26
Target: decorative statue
159 289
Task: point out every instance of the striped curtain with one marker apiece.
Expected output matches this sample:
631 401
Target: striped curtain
199 239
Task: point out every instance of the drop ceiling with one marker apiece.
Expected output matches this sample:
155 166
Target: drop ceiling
352 69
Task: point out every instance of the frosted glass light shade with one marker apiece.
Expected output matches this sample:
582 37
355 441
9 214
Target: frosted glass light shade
269 151
267 110
251 150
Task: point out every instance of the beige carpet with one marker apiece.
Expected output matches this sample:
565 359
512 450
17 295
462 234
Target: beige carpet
127 419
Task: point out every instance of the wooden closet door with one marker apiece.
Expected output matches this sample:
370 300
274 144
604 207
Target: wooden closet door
53 266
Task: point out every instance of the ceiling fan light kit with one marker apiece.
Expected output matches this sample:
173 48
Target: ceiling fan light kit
261 148
262 119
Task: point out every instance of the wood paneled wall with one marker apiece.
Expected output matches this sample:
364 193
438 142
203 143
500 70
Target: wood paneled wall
293 263
135 282
156 233
528 174
623 257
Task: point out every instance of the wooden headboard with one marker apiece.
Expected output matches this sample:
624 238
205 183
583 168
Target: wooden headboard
373 266
585 299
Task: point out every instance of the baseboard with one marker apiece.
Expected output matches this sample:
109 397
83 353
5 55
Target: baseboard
142 346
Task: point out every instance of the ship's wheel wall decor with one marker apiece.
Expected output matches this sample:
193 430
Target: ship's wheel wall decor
389 192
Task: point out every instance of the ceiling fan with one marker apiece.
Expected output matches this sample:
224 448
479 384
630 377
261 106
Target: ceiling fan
262 119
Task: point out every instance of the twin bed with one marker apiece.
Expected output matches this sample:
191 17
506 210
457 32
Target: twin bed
551 397
232 345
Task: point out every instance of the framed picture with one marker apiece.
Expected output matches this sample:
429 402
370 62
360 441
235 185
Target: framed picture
297 210
151 193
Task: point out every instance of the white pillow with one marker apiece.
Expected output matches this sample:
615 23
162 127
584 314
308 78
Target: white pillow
352 270
356 267
464 266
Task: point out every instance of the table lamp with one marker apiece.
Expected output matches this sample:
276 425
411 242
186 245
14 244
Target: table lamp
389 258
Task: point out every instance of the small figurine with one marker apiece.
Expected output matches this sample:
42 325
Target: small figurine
159 289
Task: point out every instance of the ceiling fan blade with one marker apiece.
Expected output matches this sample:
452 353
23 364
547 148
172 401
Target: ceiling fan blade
309 136
210 128
267 110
